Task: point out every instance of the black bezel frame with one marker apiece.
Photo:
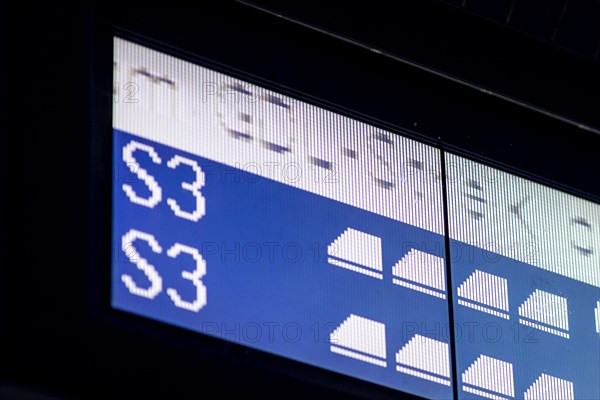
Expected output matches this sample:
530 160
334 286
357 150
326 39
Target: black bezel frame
176 340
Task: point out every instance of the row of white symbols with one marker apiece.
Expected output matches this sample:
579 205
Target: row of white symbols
494 379
361 252
364 339
541 310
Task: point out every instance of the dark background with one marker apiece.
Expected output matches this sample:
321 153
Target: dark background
538 116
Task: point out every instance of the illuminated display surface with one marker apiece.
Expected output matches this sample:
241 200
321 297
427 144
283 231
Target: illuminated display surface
247 215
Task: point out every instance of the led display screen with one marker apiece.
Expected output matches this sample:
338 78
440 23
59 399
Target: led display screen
251 216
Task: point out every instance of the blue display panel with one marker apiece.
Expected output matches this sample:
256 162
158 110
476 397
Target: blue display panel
249 216
279 269
525 274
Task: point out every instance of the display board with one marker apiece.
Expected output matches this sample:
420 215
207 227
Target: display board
248 215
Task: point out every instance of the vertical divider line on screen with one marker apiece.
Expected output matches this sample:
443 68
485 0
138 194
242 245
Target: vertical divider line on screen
449 286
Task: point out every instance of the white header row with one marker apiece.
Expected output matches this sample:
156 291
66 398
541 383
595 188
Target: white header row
215 116
523 220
